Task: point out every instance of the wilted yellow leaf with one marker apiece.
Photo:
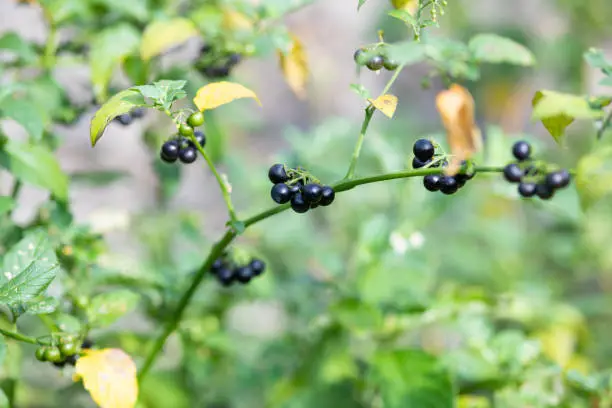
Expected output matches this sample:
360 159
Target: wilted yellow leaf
294 65
408 5
213 95
233 20
456 107
162 35
110 377
386 104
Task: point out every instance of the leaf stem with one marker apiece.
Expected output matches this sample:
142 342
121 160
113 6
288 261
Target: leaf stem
230 235
18 336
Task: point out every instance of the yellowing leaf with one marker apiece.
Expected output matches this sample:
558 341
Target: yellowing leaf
294 65
456 107
233 20
408 5
109 376
162 35
558 344
386 104
213 95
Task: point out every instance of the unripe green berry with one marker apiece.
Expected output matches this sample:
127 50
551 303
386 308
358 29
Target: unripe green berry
185 130
40 353
360 57
195 119
53 355
68 349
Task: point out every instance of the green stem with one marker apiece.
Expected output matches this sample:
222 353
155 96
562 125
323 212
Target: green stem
50 46
18 336
604 126
230 235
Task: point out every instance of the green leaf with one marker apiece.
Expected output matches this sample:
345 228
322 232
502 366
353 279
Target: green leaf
495 49
405 16
109 48
407 52
361 3
411 378
29 283
60 11
2 355
6 204
26 114
98 178
34 247
238 226
107 307
595 58
18 46
452 57
159 36
4 401
67 323
555 125
356 315
361 91
163 93
594 177
46 305
136 9
606 81
121 103
36 165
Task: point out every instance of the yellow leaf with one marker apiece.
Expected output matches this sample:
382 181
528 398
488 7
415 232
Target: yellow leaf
294 65
456 107
233 20
213 95
110 377
558 344
162 35
408 5
386 104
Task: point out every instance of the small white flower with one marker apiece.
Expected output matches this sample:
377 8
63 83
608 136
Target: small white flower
399 244
416 240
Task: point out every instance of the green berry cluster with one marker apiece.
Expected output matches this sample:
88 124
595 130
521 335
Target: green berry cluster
65 352
182 146
374 59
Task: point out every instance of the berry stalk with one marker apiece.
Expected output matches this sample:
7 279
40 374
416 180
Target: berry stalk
18 336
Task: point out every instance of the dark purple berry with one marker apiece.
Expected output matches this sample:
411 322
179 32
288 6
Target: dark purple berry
87 344
327 196
217 72
170 151
521 150
200 137
527 189
375 63
460 180
312 193
513 173
188 155
417 163
544 191
558 179
234 60
281 193
432 182
314 205
298 204
278 174
216 266
423 150
257 266
225 276
125 119
296 188
138 113
448 185
243 274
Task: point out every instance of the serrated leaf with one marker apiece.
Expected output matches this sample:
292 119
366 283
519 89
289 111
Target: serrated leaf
456 108
107 307
36 165
294 65
14 43
407 52
594 177
361 91
26 114
45 305
28 284
159 36
34 247
121 103
109 375
551 104
386 104
555 125
108 50
216 94
495 49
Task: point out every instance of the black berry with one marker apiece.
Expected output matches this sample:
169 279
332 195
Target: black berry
460 180
124 119
375 63
217 72
72 359
281 193
513 173
216 266
521 150
138 113
226 276
423 149
327 196
187 155
296 188
527 189
195 119
432 182
417 163
234 60
277 174
298 204
170 151
312 193
87 344
257 266
206 48
544 191
243 274
448 185
200 137
558 179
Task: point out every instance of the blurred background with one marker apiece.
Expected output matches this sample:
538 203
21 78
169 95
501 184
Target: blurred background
482 279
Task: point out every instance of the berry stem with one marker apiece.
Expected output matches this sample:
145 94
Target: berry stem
18 336
229 236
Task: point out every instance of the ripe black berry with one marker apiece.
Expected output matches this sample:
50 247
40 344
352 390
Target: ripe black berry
281 193
277 174
527 189
448 185
417 163
200 137
216 266
195 119
558 179
298 204
234 60
312 193
243 274
187 155
87 344
432 182
327 196
375 63
521 150
170 151
423 149
206 48
217 72
257 266
544 191
138 113
296 188
124 119
225 276
460 179
513 173
72 359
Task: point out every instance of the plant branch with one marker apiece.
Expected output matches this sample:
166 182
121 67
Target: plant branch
230 235
604 126
18 336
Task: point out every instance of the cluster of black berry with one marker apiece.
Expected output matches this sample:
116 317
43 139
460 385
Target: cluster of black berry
67 352
227 272
216 64
290 186
182 147
533 181
424 155
126 119
374 61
